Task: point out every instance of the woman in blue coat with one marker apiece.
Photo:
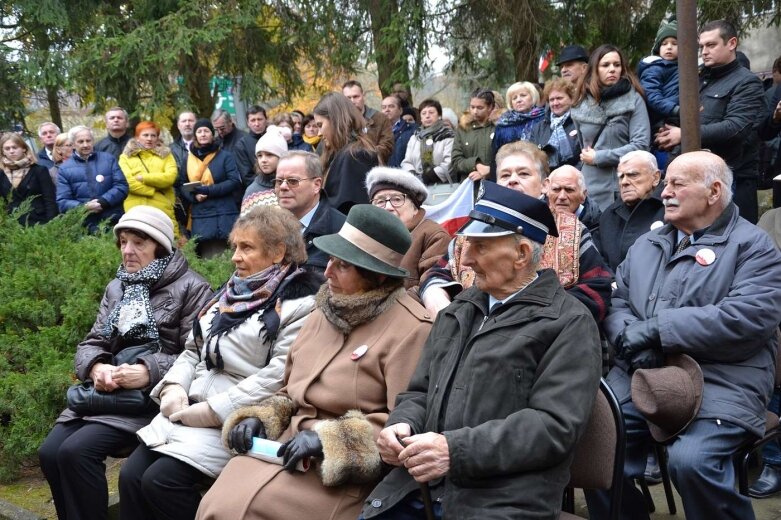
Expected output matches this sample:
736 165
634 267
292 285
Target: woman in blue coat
92 179
213 203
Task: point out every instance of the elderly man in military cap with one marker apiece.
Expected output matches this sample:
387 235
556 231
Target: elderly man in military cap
505 384
707 284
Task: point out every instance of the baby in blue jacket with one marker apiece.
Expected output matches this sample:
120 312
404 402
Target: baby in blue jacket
659 77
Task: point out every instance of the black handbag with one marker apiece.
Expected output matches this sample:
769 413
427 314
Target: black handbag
84 399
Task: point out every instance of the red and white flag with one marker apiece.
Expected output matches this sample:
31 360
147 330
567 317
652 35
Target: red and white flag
453 212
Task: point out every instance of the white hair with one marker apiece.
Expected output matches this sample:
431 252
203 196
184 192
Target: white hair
537 249
647 157
47 123
718 170
568 168
77 130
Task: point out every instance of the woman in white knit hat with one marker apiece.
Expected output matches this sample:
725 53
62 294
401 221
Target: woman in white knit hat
402 194
148 309
268 150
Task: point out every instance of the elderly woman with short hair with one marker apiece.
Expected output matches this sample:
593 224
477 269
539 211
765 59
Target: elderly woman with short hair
22 179
354 355
522 115
402 194
234 357
557 134
91 179
148 309
429 151
61 152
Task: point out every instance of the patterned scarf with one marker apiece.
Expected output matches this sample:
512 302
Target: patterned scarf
558 137
427 137
16 170
515 118
132 317
240 299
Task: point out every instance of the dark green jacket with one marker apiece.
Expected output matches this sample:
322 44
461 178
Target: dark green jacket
472 145
512 399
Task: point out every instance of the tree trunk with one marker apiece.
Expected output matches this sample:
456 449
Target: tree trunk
390 54
196 83
54 105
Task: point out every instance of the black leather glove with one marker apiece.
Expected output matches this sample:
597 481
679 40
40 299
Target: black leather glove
240 436
648 358
429 176
637 336
304 444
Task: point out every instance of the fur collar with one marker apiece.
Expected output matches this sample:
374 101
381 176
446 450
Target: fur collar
348 312
133 147
590 112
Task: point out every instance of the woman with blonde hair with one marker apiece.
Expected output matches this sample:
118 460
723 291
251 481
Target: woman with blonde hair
348 154
21 179
523 114
61 152
150 171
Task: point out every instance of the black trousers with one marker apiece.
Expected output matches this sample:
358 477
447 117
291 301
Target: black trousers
73 460
153 485
745 197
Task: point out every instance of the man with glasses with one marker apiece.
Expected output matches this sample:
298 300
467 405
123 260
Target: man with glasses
298 186
230 136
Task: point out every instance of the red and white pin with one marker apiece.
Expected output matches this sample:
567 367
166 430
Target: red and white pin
359 352
705 256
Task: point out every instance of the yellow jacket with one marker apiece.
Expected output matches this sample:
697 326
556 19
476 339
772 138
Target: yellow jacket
156 169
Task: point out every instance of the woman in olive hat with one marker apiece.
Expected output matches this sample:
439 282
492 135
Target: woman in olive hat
354 354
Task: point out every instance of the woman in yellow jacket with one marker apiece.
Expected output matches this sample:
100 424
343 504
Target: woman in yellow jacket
150 170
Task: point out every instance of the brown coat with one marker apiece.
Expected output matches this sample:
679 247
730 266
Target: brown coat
380 132
323 384
429 243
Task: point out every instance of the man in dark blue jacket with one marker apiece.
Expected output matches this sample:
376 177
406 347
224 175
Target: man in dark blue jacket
92 179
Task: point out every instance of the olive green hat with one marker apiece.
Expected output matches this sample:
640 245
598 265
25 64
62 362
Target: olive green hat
371 238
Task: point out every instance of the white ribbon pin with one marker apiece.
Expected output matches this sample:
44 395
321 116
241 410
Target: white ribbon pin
359 352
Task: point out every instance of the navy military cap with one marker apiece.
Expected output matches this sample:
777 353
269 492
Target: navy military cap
501 211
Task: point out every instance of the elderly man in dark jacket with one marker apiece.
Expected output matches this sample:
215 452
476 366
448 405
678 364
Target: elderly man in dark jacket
708 285
638 211
496 405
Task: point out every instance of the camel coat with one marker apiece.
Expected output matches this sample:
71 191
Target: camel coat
323 383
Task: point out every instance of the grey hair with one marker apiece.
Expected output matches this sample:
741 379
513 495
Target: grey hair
718 170
47 123
77 130
537 249
530 150
220 113
578 175
647 157
312 164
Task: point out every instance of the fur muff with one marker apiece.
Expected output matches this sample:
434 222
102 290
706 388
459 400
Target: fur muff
275 413
349 450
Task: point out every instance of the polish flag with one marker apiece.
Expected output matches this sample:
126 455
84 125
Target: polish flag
545 60
453 212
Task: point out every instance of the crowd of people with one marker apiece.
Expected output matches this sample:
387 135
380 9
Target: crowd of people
402 372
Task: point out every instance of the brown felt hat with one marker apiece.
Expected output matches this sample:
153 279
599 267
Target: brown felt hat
668 397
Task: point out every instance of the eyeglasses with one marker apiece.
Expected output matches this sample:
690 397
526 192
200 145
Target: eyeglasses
396 201
292 182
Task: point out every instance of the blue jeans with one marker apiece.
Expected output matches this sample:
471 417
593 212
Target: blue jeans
701 468
771 452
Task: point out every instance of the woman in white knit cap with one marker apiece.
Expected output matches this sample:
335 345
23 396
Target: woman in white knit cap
268 150
402 193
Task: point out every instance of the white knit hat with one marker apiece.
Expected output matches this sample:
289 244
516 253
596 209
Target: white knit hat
152 221
272 142
385 178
